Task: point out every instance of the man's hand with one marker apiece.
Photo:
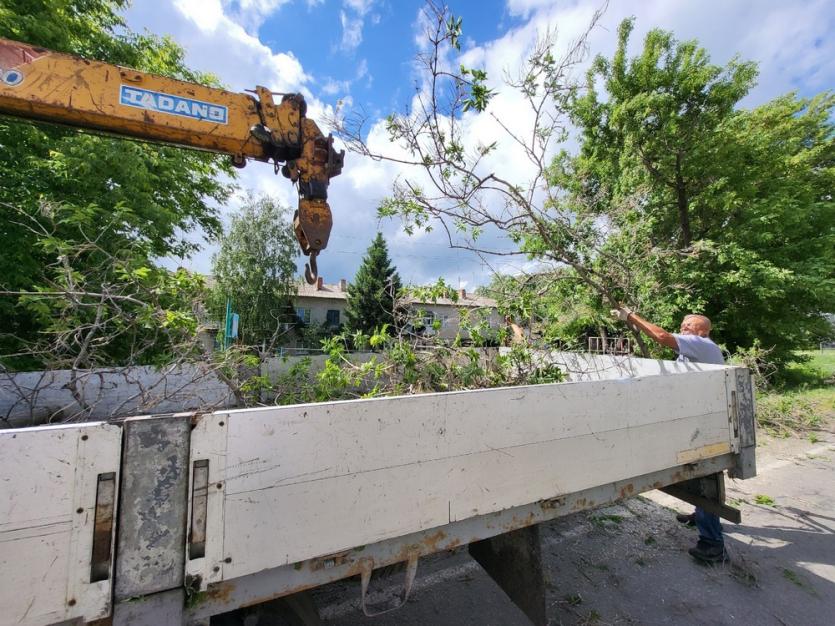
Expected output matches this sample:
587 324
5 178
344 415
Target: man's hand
622 313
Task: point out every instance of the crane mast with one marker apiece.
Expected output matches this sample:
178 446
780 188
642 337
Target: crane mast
39 84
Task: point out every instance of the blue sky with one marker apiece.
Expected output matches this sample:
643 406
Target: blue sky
361 53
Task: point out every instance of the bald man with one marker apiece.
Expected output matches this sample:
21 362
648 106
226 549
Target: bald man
692 343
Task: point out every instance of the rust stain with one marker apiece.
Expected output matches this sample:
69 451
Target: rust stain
627 491
220 592
431 541
517 522
329 561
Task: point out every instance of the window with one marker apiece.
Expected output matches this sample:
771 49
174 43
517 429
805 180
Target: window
303 315
332 317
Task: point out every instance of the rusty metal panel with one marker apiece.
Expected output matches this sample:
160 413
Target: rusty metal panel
745 415
514 561
48 497
159 609
745 408
152 518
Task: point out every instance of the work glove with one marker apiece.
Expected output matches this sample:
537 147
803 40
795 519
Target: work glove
622 313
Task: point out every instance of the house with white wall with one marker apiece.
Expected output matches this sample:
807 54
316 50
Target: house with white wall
323 303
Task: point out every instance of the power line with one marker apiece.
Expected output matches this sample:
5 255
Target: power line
410 256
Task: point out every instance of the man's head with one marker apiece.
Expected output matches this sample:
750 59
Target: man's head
695 325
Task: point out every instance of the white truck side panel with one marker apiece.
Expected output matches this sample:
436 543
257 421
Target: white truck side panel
49 475
305 481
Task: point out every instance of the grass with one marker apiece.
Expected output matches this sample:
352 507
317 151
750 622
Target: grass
574 599
764 500
602 521
796 579
806 400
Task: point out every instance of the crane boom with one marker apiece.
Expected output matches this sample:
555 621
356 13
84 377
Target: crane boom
39 84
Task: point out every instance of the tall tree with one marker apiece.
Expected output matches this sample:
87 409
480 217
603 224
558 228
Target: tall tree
372 294
148 198
255 268
712 208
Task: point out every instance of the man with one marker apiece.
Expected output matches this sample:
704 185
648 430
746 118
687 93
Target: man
692 343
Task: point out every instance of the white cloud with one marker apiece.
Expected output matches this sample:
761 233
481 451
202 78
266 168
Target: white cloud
216 43
791 41
252 13
352 18
351 31
332 87
360 7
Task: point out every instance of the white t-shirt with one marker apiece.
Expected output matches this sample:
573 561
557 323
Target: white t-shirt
698 349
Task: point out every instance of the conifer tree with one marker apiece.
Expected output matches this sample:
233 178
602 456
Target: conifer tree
372 294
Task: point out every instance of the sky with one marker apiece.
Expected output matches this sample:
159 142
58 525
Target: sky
361 53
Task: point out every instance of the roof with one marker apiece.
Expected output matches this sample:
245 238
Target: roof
333 292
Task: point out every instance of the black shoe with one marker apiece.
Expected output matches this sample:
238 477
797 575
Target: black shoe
689 520
709 553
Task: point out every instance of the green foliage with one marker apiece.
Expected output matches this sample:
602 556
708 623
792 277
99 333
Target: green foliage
789 413
122 195
401 368
96 308
372 294
711 208
764 500
255 268
800 399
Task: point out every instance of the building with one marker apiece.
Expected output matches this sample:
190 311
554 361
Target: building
322 304
321 307
325 304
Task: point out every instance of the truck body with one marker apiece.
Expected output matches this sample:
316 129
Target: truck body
173 519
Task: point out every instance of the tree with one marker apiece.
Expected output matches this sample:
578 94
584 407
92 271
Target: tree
457 175
255 269
712 208
372 295
147 198
672 205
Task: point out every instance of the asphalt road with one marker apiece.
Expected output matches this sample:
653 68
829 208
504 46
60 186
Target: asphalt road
628 564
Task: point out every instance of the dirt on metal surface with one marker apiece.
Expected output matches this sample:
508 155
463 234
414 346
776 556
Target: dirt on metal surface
628 564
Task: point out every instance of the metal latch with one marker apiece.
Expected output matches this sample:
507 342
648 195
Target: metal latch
199 506
365 576
103 527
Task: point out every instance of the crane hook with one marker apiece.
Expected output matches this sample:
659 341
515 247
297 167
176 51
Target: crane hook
311 272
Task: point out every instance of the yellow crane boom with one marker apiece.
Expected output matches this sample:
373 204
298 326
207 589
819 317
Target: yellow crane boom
39 84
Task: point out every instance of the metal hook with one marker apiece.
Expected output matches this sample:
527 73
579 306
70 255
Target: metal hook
311 272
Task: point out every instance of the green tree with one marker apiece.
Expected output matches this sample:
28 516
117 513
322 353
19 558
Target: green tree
97 308
712 208
255 268
148 198
372 295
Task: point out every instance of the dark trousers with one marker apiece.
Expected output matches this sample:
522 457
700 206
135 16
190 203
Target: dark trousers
710 529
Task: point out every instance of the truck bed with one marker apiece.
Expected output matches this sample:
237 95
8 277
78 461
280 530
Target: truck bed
270 501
